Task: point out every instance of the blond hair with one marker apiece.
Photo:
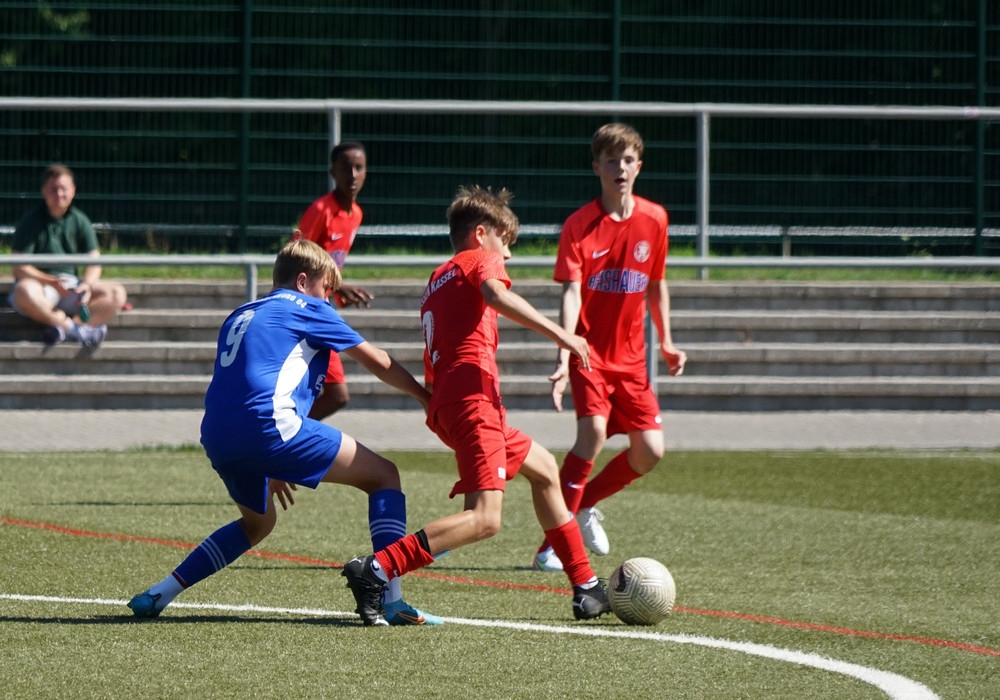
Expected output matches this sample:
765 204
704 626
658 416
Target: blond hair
615 138
477 206
300 256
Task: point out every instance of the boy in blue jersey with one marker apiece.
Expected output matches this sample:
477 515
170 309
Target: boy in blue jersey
271 361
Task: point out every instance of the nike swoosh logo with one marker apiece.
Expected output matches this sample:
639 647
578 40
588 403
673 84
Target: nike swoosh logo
336 236
601 253
574 485
418 620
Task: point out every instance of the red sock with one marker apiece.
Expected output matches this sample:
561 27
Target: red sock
402 556
612 479
575 471
573 479
568 546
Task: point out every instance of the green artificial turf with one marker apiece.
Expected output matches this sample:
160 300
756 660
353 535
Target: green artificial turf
887 561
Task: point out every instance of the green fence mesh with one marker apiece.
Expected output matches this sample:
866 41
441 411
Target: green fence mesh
202 180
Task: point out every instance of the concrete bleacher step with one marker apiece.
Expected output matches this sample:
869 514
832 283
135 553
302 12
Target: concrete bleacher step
752 346
42 391
381 326
685 295
538 359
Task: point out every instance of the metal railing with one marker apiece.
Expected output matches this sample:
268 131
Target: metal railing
702 113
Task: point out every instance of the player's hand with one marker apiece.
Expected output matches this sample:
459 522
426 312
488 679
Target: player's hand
559 379
676 359
283 490
349 295
83 290
578 346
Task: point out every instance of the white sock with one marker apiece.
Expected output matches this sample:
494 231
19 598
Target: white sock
393 590
168 589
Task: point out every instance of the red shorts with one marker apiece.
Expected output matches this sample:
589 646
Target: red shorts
488 451
335 370
625 400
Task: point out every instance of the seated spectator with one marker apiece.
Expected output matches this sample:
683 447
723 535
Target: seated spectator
69 306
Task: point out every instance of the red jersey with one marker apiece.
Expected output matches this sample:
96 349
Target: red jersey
460 330
325 222
614 262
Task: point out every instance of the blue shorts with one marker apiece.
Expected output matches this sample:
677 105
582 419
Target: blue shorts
303 460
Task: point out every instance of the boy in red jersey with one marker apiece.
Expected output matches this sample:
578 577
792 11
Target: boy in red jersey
611 263
458 314
332 221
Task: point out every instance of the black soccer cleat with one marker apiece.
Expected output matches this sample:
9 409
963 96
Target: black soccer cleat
589 603
367 589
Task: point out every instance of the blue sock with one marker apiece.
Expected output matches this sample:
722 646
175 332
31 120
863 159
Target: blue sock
386 517
216 552
387 522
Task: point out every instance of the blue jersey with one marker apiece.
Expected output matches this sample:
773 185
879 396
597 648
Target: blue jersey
269 368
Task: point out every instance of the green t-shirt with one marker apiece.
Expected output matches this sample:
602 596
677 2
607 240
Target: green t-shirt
37 232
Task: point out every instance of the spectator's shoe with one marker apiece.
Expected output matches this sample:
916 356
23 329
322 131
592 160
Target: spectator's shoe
367 589
145 605
402 613
593 532
589 603
547 560
92 336
53 335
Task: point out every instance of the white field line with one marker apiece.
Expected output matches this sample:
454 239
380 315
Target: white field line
893 685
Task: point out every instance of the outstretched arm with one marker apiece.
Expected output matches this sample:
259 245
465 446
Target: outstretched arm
382 365
517 309
658 299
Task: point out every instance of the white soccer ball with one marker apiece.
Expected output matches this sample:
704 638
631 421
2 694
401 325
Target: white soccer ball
641 591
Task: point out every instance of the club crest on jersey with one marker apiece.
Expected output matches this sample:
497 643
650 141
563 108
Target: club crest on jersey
641 251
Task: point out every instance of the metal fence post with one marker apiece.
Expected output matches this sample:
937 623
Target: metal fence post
333 134
652 351
251 277
701 195
980 200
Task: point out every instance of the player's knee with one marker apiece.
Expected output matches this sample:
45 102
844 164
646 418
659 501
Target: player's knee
384 475
259 528
119 295
26 293
487 525
645 461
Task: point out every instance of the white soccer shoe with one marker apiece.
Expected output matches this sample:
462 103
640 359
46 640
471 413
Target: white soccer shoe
546 560
593 532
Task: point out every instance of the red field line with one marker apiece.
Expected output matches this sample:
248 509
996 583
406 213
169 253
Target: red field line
516 586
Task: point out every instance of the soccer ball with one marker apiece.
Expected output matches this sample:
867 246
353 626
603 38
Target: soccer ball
641 591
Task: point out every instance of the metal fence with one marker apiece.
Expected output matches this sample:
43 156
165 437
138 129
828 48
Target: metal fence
211 179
